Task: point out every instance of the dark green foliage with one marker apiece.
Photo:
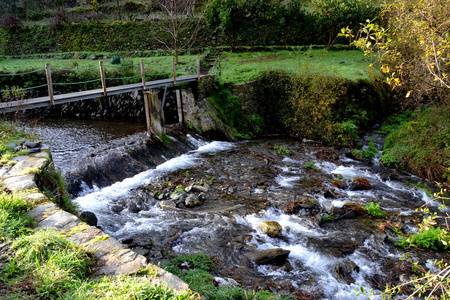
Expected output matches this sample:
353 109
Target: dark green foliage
336 14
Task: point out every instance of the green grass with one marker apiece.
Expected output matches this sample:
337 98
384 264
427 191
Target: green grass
243 67
196 271
153 65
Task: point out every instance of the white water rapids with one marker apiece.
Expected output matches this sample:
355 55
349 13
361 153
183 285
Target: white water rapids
308 259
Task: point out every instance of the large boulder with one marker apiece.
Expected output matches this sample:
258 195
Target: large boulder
271 228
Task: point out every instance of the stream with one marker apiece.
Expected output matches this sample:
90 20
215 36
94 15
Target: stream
213 199
72 139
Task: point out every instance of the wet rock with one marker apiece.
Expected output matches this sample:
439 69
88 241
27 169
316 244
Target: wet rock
197 188
302 207
345 269
227 282
167 204
337 183
31 145
132 207
327 206
361 184
350 211
89 217
192 201
275 256
327 154
117 208
271 228
141 251
127 241
330 194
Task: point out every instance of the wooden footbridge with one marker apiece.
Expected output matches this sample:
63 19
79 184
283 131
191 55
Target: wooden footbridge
153 105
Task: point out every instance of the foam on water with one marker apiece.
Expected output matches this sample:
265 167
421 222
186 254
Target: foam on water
286 181
96 201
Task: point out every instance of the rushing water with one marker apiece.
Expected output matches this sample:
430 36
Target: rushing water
72 139
253 184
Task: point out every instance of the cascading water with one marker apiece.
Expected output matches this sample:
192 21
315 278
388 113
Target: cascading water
253 184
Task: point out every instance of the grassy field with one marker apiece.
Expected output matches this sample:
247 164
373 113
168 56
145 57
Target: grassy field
158 64
236 67
244 67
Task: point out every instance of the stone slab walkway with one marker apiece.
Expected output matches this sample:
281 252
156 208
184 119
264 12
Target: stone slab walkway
111 258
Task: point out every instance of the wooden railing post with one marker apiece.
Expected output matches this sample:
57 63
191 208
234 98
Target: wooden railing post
220 65
48 73
102 76
143 73
198 67
174 71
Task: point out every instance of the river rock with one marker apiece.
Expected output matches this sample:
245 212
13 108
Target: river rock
361 184
89 217
345 269
227 282
197 188
271 228
327 206
30 145
167 204
275 256
302 207
192 201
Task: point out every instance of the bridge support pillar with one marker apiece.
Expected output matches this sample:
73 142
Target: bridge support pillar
154 112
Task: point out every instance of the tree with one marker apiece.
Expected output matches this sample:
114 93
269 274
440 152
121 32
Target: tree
177 26
413 48
336 14
253 20
225 17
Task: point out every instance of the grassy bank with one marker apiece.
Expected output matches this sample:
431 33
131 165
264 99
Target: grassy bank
43 263
419 142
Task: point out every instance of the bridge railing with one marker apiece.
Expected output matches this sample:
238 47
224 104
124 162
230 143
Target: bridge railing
126 74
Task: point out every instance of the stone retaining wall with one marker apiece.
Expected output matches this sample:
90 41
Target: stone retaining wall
112 258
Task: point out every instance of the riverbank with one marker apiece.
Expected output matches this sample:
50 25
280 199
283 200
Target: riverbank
99 259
